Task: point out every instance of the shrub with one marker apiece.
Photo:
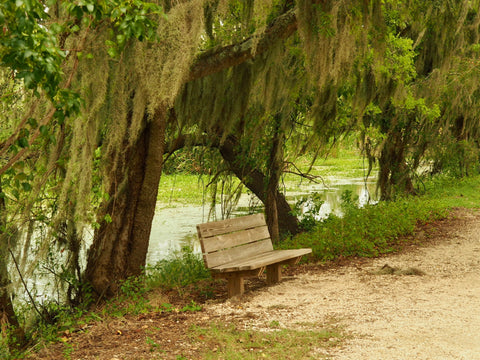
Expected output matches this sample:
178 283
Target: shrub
369 231
181 269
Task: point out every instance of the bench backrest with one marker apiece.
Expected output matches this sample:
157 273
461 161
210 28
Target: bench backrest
233 239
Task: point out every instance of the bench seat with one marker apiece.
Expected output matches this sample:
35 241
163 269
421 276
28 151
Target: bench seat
261 260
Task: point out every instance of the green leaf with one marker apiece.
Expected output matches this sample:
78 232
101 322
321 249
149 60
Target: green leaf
16 194
28 53
26 186
60 116
112 52
28 79
43 130
32 122
23 142
121 39
21 176
19 166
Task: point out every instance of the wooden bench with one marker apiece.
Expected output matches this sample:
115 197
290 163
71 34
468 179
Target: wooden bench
241 247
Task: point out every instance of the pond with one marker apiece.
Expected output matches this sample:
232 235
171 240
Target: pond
175 227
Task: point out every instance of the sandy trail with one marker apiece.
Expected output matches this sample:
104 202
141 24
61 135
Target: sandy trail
434 316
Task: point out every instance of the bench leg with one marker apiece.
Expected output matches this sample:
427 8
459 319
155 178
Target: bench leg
235 286
274 273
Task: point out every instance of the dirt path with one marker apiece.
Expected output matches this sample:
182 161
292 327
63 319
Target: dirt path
430 316
434 316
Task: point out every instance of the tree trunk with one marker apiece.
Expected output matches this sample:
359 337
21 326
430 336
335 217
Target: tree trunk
256 182
10 328
274 172
120 247
394 173
252 178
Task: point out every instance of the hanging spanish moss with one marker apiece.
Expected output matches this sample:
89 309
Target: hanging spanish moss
81 156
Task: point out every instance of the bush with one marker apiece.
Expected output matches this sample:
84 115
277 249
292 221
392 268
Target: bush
182 269
366 232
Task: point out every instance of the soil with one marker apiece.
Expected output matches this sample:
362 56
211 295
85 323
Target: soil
423 302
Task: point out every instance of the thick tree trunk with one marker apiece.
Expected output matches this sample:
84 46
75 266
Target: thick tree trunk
394 175
8 320
256 182
9 326
120 247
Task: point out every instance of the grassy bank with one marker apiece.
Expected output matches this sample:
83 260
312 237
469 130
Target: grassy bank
379 229
188 188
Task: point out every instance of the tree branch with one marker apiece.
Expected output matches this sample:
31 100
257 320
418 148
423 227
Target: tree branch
219 59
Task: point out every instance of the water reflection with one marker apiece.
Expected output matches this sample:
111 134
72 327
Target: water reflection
174 228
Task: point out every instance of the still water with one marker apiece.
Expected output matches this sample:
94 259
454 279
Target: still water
174 228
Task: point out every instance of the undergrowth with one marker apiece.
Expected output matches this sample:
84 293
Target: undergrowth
379 229
57 321
181 269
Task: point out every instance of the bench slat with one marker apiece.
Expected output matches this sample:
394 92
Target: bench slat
240 252
260 260
231 240
230 225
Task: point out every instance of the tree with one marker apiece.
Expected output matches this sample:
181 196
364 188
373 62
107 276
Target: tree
118 54
405 117
120 246
106 83
43 48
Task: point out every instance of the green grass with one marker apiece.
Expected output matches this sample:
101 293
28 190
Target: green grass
181 269
352 167
451 193
340 162
228 342
178 189
185 188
